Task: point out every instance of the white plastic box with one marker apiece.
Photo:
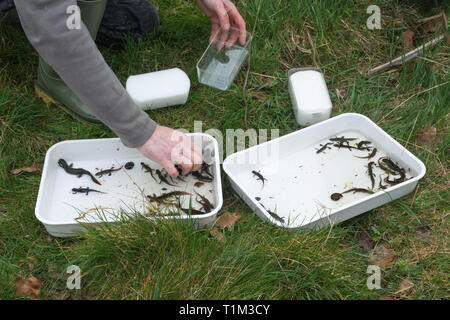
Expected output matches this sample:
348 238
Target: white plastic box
57 207
159 89
300 180
309 95
219 65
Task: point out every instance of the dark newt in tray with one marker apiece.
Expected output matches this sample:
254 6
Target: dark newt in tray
336 196
260 177
85 190
76 171
108 171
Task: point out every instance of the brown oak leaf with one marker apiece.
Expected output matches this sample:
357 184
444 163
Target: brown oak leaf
426 137
227 220
407 39
26 169
382 257
29 286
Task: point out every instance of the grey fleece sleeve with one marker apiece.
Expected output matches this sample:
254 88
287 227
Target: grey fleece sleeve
75 57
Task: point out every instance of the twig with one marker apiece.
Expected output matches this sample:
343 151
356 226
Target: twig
244 90
406 57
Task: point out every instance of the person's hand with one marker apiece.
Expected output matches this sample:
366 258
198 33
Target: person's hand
223 13
169 147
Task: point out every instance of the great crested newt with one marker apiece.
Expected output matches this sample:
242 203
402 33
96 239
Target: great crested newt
85 190
273 214
371 155
260 177
76 171
342 139
346 146
205 169
108 171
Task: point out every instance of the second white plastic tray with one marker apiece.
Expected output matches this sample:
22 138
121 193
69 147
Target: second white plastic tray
300 181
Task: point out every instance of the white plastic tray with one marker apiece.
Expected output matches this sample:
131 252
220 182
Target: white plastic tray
57 207
300 180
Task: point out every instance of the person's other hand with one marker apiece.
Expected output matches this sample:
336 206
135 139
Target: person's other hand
169 147
223 13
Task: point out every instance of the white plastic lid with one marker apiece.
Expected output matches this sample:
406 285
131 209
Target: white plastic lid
310 91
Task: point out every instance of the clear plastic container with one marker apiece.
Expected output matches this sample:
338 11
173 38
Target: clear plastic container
219 65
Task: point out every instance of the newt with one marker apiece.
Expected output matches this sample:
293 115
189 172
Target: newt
370 172
108 171
371 155
323 147
361 145
207 206
163 178
85 190
76 171
201 177
205 169
147 168
167 195
260 177
273 214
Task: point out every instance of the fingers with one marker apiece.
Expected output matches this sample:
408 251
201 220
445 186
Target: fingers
170 168
224 22
237 21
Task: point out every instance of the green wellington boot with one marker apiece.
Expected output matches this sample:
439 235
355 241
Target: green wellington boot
51 88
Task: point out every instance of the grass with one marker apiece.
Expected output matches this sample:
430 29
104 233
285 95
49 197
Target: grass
172 260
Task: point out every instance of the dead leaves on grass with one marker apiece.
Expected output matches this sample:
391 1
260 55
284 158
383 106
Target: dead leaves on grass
426 137
26 169
29 286
382 257
407 39
225 221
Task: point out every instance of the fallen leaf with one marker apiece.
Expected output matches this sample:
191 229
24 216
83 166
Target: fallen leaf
407 39
382 257
216 233
26 169
432 26
227 220
405 286
426 137
366 243
258 95
424 231
340 93
29 286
